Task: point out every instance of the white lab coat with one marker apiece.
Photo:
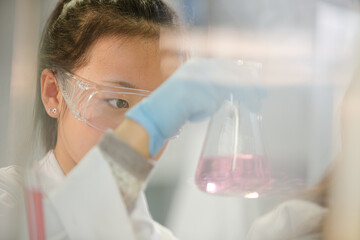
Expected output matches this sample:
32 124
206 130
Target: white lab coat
292 220
85 204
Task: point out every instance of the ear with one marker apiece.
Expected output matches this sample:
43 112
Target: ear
50 93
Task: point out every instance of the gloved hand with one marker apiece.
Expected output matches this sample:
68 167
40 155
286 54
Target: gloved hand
195 91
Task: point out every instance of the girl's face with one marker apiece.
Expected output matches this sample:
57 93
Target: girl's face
123 62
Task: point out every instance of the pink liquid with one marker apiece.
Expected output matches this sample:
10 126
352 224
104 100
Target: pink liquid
35 214
227 175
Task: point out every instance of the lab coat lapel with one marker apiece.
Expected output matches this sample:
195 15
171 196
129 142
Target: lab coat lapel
89 203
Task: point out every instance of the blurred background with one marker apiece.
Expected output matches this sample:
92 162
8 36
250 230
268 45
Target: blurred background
307 49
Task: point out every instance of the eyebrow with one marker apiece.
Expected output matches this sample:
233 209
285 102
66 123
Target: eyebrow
122 84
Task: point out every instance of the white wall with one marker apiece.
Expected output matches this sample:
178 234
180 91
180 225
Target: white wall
7 10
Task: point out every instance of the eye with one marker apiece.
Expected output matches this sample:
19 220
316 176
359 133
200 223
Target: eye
118 103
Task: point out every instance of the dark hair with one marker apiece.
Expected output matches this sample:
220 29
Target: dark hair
75 25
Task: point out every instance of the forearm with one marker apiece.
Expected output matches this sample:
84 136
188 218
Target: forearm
130 168
134 135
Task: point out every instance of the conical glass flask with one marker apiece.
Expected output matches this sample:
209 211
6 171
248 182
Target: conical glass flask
233 159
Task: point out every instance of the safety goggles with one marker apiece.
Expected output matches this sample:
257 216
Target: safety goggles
100 106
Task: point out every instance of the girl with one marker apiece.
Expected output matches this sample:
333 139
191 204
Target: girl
97 60
104 54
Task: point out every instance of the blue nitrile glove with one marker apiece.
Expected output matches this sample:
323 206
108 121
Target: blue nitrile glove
195 91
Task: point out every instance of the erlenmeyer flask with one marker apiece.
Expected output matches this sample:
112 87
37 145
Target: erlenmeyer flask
233 160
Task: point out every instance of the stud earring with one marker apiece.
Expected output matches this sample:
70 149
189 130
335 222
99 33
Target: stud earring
52 110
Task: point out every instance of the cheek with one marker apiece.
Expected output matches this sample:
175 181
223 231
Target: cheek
77 136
